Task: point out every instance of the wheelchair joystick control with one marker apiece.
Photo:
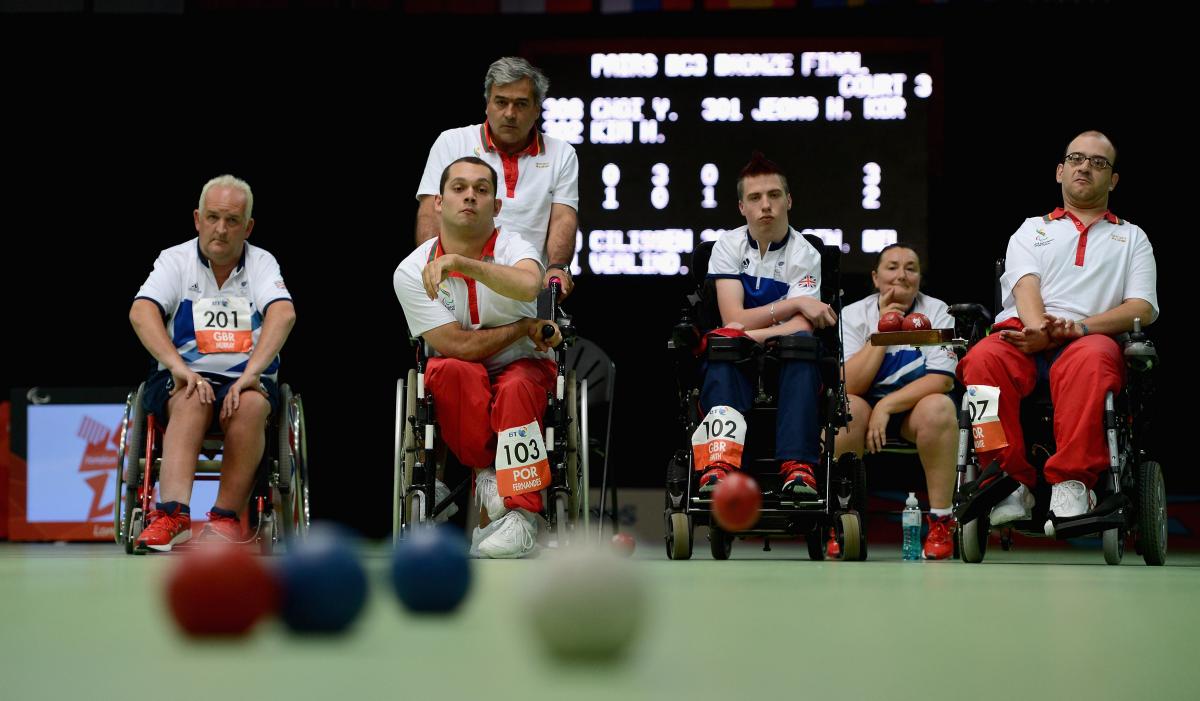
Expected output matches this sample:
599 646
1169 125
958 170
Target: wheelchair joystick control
1139 352
547 332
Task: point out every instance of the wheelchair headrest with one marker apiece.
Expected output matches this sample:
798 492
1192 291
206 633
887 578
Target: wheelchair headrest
699 266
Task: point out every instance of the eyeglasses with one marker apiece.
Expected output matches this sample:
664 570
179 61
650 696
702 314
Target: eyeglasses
1098 162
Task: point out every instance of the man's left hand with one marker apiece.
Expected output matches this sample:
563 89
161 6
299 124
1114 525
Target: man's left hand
1061 330
248 381
564 278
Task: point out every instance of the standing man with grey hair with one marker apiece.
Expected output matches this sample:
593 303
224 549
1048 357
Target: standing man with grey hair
540 187
214 313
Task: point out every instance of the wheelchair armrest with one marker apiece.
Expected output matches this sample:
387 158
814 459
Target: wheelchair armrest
794 348
969 312
731 349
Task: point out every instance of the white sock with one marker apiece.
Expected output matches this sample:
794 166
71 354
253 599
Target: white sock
940 513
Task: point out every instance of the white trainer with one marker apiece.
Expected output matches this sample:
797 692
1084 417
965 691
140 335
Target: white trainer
488 493
478 535
514 536
1068 499
1017 506
440 492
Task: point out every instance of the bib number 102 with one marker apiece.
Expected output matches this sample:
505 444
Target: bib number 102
718 428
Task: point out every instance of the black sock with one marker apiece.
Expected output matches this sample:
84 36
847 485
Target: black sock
171 507
223 513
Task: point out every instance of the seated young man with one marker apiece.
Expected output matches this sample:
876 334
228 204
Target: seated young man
470 294
768 282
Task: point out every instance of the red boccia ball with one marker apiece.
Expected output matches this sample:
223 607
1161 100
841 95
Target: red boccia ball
916 322
892 321
220 591
736 502
624 544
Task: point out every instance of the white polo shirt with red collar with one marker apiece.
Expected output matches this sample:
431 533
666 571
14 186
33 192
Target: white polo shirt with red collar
465 301
1083 270
544 174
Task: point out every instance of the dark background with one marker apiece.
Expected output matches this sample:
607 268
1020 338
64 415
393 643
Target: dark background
111 124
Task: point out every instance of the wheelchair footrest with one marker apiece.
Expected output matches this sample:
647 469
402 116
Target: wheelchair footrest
976 498
1109 513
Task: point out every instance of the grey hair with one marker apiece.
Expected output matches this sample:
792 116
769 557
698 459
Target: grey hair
510 69
228 181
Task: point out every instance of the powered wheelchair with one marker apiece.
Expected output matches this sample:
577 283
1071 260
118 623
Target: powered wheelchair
841 501
1131 494
420 457
279 507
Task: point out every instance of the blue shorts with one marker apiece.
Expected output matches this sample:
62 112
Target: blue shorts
160 383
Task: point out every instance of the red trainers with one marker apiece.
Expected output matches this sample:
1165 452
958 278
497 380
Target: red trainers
799 479
221 529
710 479
939 543
165 530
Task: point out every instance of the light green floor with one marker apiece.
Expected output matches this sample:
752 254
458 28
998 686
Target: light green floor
87 622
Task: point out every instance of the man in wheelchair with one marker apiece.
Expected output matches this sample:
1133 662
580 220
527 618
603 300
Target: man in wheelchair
214 313
1073 279
470 294
768 282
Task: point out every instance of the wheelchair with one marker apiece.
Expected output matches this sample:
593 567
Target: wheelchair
842 503
279 506
420 457
1131 494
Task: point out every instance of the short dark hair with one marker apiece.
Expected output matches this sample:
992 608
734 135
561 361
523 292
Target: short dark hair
467 159
1098 135
890 246
759 165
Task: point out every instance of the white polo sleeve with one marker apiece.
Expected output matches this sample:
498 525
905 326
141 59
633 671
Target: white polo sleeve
267 281
1142 280
725 261
805 269
420 312
163 285
513 248
566 182
1019 261
854 327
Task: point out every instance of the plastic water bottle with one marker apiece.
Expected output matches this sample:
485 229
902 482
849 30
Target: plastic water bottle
911 520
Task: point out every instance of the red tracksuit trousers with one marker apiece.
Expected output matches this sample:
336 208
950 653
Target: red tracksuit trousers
1080 375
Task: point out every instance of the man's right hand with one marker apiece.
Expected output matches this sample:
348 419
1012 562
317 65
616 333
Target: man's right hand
192 383
820 314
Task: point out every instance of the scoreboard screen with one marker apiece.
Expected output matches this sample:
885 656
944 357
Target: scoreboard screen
662 134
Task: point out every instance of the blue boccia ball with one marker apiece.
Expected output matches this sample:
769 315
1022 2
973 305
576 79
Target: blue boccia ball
324 584
430 570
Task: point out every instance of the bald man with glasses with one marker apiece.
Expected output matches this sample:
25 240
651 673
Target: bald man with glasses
1073 279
